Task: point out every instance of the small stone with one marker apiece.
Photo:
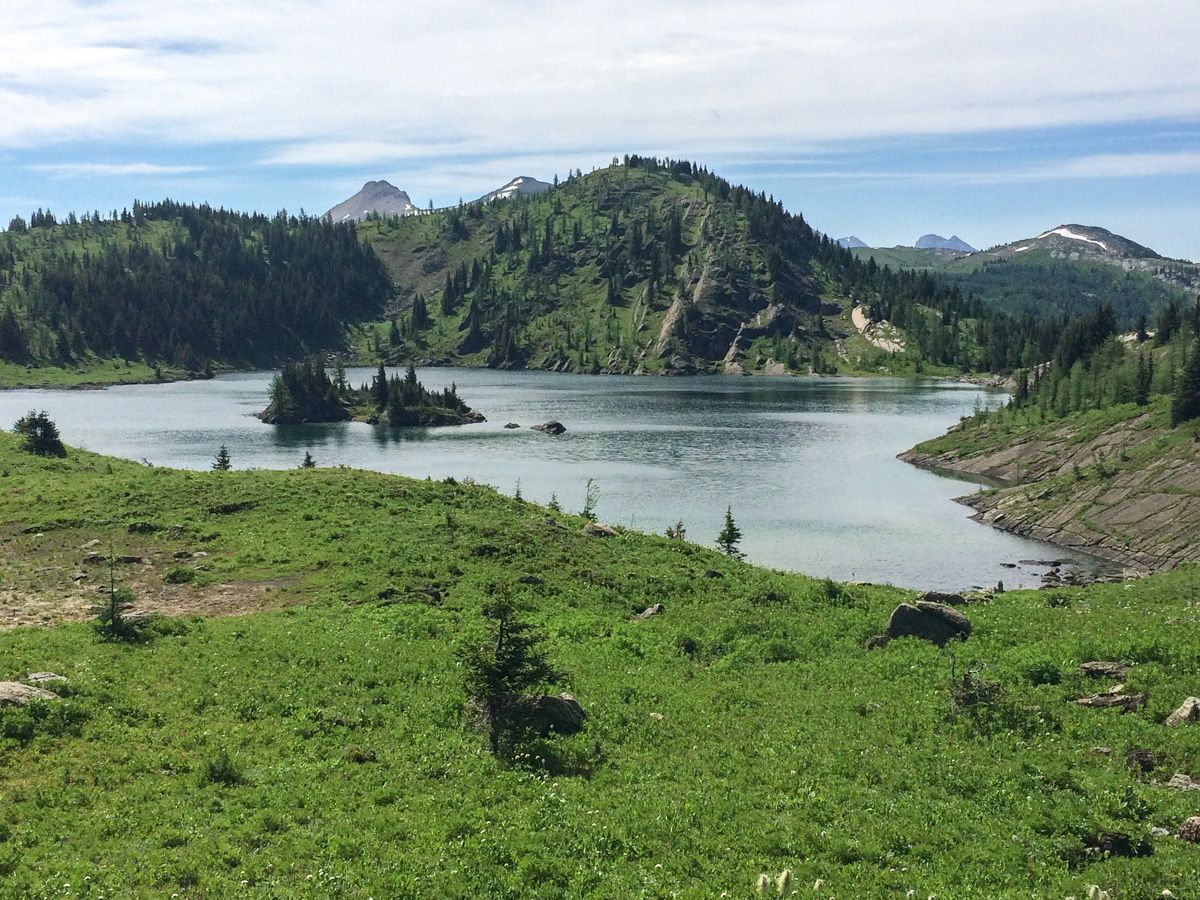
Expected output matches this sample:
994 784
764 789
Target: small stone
1159 831
551 427
943 598
599 529
650 611
1189 711
182 554
93 559
94 542
1190 830
42 677
199 554
1181 782
657 717
79 576
512 425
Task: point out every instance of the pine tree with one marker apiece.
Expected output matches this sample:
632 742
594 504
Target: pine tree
309 462
730 536
222 462
1145 377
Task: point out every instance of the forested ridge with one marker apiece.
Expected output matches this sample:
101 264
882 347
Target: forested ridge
660 265
182 285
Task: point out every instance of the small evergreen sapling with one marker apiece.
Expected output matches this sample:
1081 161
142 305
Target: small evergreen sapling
730 536
222 462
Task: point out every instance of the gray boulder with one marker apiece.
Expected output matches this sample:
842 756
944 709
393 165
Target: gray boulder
1189 711
599 529
560 714
650 611
13 693
943 598
551 427
929 621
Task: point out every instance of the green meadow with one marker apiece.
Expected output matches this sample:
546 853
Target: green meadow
306 736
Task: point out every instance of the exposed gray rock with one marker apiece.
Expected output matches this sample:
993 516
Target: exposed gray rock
1190 830
1181 782
551 427
1189 711
560 715
1123 702
934 622
650 611
512 425
44 677
599 529
1103 669
13 693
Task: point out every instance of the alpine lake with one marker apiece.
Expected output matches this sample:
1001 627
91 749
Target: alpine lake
807 464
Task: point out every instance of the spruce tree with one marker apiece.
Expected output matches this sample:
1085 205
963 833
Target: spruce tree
309 462
40 433
1185 405
222 462
503 672
730 536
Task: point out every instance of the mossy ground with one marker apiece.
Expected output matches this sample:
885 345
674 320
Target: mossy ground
320 749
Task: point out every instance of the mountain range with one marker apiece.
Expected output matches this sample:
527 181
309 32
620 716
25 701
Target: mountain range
386 200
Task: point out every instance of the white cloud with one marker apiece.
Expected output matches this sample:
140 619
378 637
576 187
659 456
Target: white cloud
114 169
357 81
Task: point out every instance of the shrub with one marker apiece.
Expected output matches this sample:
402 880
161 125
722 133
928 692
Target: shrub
221 769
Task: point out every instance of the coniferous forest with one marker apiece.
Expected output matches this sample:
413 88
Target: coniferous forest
182 285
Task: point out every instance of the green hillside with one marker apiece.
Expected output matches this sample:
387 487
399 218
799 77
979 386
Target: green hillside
658 266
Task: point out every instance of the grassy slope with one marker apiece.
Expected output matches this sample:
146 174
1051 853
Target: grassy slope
782 742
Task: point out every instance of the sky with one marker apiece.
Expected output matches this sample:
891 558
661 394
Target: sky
994 121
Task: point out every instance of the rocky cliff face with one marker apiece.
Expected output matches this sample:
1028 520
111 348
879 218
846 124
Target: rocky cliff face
1126 489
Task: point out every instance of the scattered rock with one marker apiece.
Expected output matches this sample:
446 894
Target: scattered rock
1189 711
43 677
650 611
551 427
1103 669
929 621
1123 702
93 559
1008 565
512 425
1190 830
182 554
945 599
1141 759
657 717
94 542
599 529
79 576
1182 782
13 693
1159 831
878 642
712 573
1117 843
530 579
199 554
561 714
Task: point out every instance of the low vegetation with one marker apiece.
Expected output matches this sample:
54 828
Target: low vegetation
324 746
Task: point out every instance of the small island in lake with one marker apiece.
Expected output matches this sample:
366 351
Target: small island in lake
303 393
